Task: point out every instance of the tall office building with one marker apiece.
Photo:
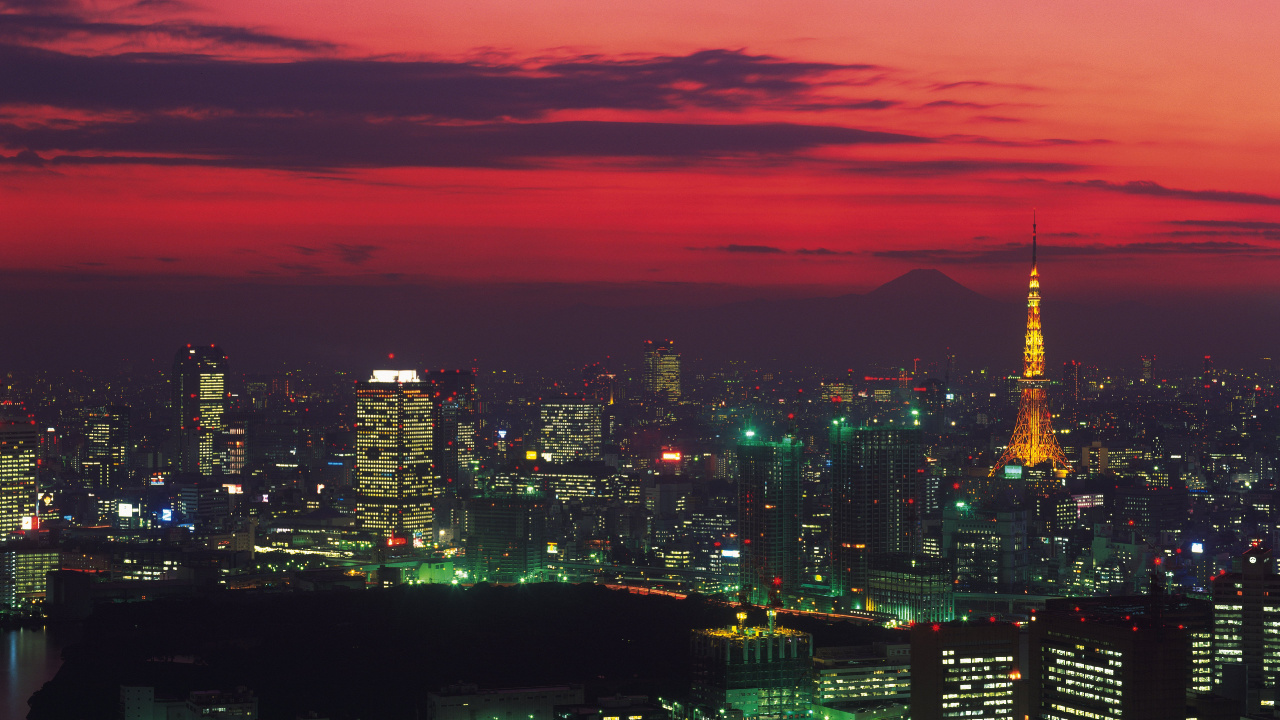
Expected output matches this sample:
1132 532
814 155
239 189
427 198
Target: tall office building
1246 630
394 476
19 453
570 431
455 416
506 537
661 371
877 484
1147 365
199 391
107 429
965 670
769 506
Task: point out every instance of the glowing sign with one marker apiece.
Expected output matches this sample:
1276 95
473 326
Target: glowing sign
502 434
671 456
30 522
396 541
1012 472
233 488
1197 547
166 515
126 510
553 549
750 433
730 553
530 454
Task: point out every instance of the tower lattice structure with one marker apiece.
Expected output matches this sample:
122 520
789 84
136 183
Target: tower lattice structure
1033 440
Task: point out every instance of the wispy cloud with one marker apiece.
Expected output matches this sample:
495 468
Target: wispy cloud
1020 252
1147 187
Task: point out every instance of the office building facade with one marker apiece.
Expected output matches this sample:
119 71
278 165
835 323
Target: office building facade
394 474
199 402
769 508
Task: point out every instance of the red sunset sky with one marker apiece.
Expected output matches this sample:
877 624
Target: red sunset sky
830 145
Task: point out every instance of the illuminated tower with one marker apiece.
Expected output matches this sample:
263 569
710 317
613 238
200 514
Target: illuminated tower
108 431
1033 440
394 473
199 402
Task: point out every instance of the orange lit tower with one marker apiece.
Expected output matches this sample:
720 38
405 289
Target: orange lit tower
1033 441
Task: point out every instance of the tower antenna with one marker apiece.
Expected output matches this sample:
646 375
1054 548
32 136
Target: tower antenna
1033 237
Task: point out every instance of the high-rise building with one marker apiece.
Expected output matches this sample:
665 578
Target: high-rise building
965 670
19 456
1246 630
1106 658
199 392
506 537
765 673
987 546
570 431
107 429
1033 442
1148 368
1071 381
877 481
454 437
661 371
394 476
769 507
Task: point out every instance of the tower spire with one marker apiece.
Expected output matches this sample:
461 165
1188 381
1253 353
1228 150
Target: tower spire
1033 237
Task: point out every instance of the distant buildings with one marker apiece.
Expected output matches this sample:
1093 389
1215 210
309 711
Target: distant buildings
1246 630
866 678
769 507
394 475
455 416
469 702
661 372
199 393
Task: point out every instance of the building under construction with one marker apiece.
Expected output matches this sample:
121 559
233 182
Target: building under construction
765 673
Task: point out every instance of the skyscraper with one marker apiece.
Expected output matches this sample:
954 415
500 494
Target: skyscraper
107 429
661 371
570 431
19 452
877 480
1033 442
1246 629
454 435
199 391
394 475
769 498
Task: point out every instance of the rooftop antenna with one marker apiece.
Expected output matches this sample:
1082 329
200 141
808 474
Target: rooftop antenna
1033 237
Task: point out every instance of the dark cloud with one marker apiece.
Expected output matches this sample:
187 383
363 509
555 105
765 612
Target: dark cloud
355 254
959 104
1236 224
24 157
288 142
304 250
167 259
958 167
822 251
46 27
749 249
464 90
1040 142
980 84
998 119
1021 253
1146 187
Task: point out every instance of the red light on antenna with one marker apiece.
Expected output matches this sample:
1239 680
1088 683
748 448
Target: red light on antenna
936 627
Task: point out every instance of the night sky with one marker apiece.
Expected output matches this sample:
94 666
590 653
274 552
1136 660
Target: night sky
762 148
